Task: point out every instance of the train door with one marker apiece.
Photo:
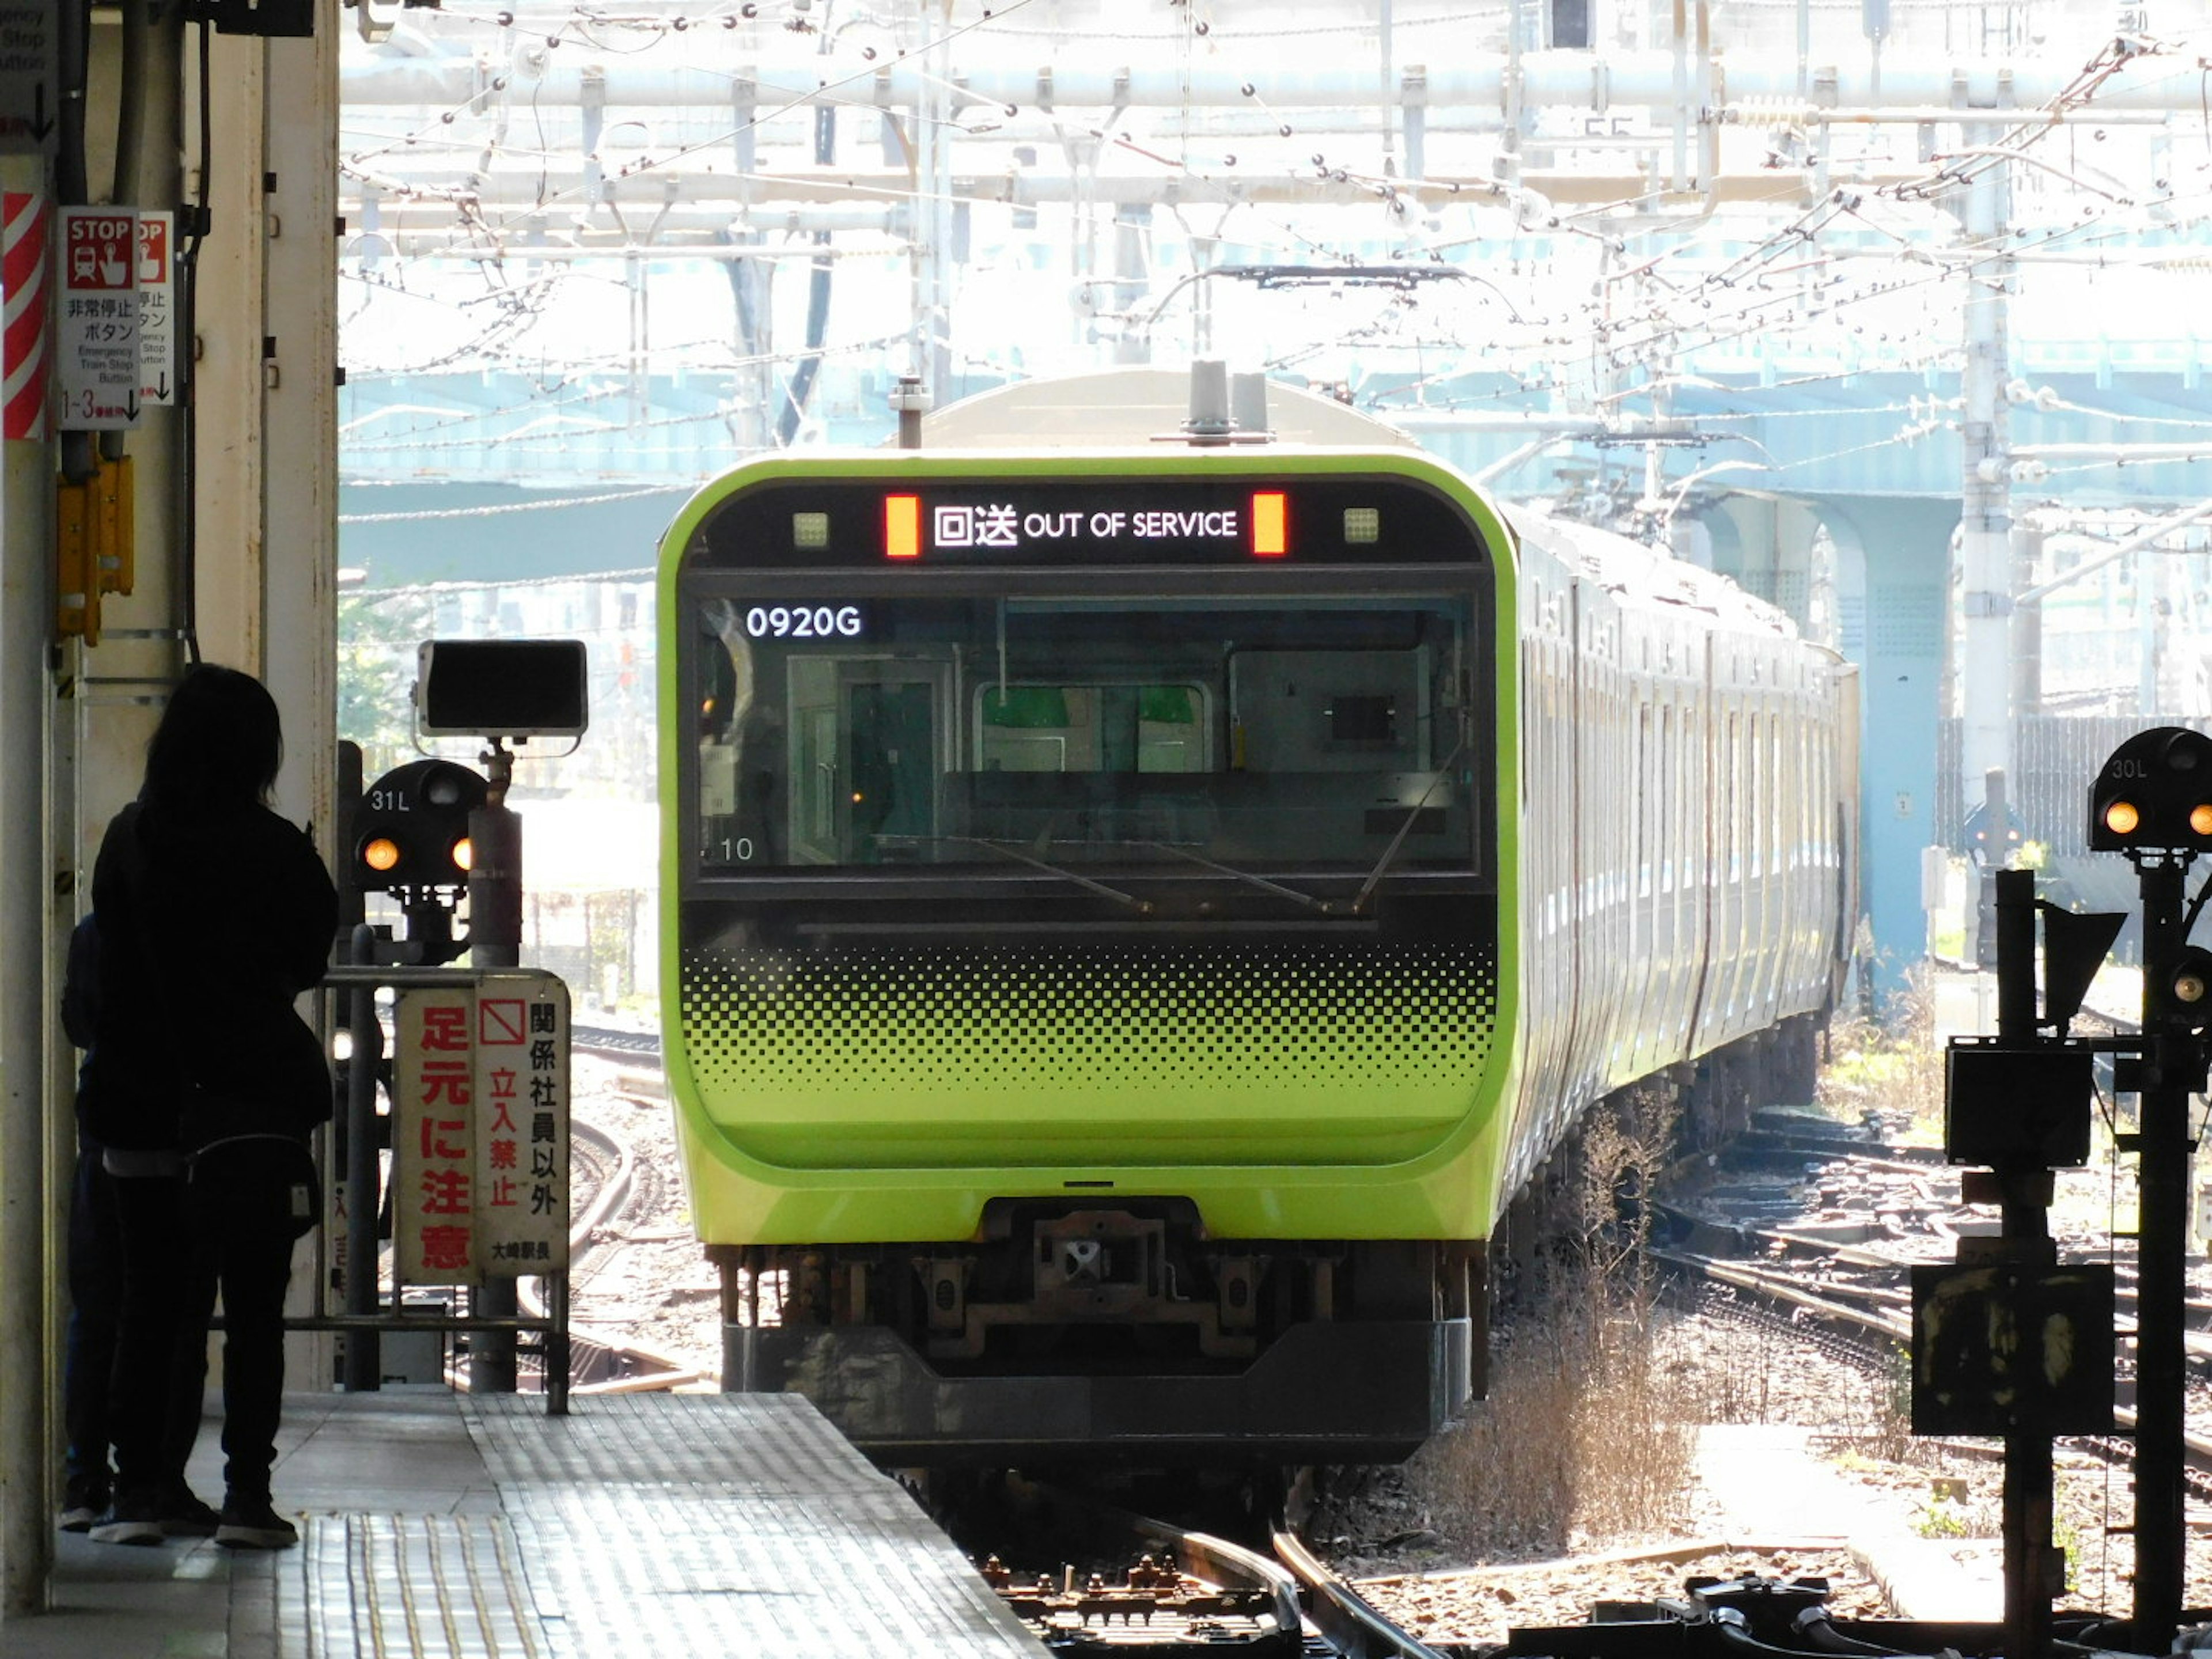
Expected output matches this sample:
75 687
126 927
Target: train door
865 759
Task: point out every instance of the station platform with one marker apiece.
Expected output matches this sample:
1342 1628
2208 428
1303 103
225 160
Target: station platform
450 1526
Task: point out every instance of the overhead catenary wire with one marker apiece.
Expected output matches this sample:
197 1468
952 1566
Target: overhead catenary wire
1673 316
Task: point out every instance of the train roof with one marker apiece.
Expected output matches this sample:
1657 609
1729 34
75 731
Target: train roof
1136 405
1641 576
1133 406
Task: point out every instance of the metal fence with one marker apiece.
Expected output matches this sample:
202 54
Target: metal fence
2054 758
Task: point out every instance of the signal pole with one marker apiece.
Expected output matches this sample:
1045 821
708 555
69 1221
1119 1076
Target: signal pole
2032 1579
2153 802
2007 1341
494 941
2172 1068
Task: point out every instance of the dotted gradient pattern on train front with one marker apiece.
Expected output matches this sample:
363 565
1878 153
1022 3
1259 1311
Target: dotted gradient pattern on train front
1007 1021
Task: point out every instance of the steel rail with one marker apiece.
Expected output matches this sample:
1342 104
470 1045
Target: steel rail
1341 1615
1778 1287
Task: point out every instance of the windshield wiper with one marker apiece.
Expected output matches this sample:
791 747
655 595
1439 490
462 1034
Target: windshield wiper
1261 881
1412 815
1036 862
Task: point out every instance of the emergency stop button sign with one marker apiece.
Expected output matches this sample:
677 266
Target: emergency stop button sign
96 319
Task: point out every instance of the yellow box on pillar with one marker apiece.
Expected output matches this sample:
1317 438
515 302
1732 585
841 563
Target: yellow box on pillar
77 560
95 529
117 502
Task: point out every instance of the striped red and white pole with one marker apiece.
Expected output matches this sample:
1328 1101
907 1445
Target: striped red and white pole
23 314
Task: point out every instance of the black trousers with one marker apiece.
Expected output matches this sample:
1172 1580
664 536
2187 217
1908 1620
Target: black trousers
251 1267
153 1402
95 1283
179 1254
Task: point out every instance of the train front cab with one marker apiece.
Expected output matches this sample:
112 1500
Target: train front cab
1088 1021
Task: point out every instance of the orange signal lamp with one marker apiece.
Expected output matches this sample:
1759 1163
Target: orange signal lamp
2121 817
2200 818
464 854
380 855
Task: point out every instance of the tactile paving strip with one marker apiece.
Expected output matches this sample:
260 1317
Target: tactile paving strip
731 1523
397 1587
639 1528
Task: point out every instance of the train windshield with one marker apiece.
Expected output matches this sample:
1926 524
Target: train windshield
1288 732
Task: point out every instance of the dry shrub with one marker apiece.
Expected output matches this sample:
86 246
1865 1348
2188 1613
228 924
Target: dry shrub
1586 1435
1891 1067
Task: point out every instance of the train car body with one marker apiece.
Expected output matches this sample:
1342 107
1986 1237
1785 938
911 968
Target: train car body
1133 920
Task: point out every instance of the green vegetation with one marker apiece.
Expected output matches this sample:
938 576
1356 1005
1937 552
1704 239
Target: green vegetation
1892 1065
378 632
1941 1518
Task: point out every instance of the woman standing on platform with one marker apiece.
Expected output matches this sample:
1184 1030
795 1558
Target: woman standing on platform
203 1084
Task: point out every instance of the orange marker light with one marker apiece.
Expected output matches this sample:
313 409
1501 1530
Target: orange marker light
380 855
1271 524
2200 818
464 854
2121 817
903 527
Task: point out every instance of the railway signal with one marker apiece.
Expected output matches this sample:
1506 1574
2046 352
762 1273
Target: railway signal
2153 801
2006 1340
2155 795
410 832
411 837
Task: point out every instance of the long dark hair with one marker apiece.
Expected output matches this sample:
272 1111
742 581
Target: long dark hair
219 744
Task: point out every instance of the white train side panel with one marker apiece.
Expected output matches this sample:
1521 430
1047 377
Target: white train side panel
1686 805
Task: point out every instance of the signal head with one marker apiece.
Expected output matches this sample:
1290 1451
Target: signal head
2187 985
410 832
2154 794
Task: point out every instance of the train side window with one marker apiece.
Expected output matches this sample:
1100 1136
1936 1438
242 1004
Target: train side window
1644 803
1755 795
1731 860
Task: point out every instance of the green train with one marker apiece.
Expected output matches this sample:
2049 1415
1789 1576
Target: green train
1133 921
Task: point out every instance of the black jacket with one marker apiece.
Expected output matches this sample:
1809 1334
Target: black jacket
210 927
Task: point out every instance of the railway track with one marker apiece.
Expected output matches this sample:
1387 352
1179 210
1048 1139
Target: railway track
615 1042
1856 1296
1135 1585
1129 1583
607 1181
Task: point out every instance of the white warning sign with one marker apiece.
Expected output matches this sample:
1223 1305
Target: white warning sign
30 110
96 319
157 319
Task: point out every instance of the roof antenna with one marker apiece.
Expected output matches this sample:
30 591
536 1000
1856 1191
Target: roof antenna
910 399
1209 402
1248 405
